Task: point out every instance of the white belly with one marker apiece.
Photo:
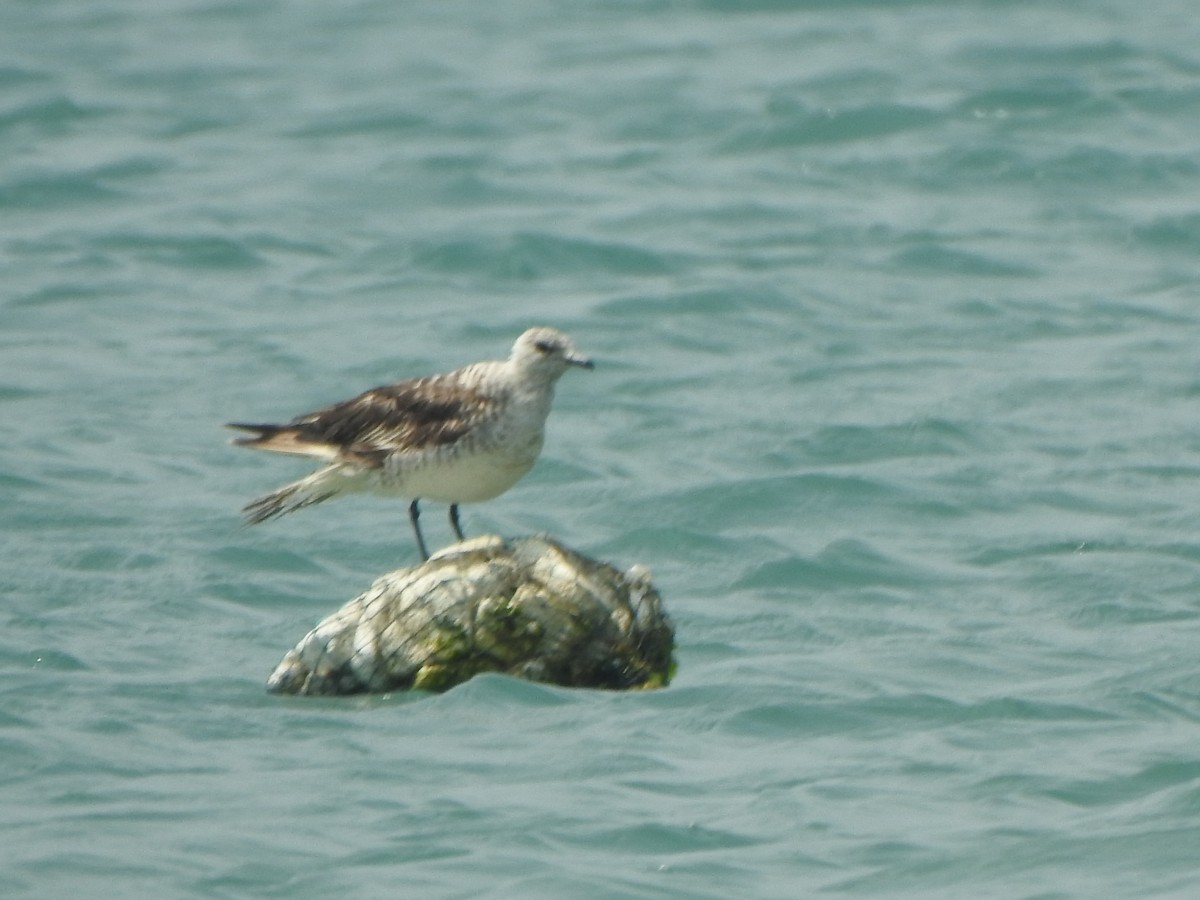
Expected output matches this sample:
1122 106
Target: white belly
465 478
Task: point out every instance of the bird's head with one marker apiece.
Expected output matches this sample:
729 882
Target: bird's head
547 352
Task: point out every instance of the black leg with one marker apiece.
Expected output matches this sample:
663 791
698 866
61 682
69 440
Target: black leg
414 513
454 521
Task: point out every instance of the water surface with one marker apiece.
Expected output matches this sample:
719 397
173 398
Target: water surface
895 313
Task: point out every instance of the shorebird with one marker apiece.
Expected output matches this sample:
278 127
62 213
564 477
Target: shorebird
460 437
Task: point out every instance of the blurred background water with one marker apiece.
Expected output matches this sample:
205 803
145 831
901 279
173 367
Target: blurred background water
896 318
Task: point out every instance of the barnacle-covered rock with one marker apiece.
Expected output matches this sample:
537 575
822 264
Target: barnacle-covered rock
527 607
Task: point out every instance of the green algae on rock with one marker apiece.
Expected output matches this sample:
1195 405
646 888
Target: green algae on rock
527 607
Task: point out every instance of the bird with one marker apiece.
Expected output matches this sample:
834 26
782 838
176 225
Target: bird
460 437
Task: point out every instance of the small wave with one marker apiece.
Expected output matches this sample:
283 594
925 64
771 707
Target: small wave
531 255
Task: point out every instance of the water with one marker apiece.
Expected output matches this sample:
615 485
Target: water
895 310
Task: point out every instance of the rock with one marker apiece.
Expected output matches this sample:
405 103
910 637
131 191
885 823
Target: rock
528 607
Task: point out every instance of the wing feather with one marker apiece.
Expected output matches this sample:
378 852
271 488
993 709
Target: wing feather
415 415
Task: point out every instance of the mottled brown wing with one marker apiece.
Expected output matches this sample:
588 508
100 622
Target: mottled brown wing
412 415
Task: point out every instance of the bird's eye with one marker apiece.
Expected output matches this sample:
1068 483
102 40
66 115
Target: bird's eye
544 347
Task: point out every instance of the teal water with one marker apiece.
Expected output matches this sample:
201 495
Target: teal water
897 322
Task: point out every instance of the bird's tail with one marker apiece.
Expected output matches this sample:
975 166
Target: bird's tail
283 439
317 487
